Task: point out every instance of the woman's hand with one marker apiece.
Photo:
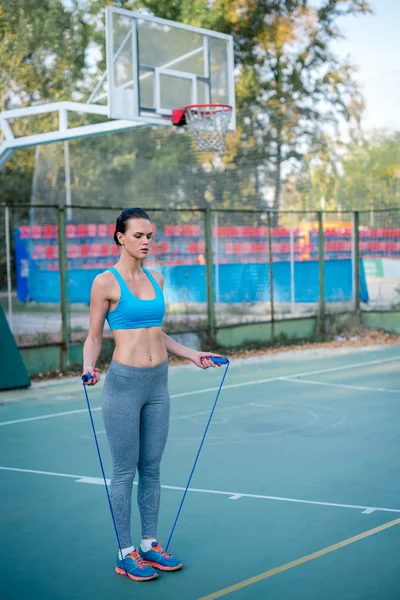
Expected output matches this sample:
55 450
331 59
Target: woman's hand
200 359
94 373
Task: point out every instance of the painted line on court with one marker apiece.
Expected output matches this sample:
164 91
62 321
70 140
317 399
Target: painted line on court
343 385
226 387
300 561
50 416
231 495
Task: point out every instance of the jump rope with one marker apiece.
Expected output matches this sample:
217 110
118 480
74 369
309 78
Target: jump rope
85 379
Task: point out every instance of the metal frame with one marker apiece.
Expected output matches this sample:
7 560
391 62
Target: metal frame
63 132
146 115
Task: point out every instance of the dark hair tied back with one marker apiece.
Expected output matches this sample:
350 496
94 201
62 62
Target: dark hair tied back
125 216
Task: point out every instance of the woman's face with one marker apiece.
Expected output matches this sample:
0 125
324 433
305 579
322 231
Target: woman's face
137 238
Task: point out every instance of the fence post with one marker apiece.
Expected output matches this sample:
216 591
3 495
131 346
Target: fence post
356 261
271 277
64 288
8 266
321 307
209 275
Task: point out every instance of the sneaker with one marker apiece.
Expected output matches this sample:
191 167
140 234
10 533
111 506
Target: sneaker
135 567
159 559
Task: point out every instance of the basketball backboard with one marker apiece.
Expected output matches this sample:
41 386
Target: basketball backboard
155 65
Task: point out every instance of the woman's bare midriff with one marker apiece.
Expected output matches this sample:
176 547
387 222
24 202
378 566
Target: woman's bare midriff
139 347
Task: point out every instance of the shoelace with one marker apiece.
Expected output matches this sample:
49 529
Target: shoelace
135 556
161 551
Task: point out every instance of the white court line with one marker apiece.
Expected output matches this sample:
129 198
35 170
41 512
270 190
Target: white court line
367 510
226 387
343 385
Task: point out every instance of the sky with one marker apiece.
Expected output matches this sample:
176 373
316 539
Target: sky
373 44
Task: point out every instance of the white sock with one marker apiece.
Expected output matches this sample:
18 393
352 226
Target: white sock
146 544
126 551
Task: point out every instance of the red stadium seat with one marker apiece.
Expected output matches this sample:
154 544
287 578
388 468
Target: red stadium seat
92 230
102 230
36 231
71 231
73 251
94 250
51 252
48 231
84 250
82 231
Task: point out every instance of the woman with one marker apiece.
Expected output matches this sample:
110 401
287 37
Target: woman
135 403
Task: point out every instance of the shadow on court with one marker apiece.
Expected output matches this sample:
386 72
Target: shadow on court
295 495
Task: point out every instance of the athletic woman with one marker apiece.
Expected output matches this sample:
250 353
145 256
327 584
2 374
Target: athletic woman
135 402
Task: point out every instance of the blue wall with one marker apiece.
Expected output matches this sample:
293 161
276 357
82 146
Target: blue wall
237 282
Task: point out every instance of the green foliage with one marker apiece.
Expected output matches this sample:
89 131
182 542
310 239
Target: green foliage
42 50
291 92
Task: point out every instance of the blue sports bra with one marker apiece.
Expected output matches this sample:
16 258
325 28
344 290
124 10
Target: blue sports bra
134 313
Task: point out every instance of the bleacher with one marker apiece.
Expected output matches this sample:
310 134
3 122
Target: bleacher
178 251
92 246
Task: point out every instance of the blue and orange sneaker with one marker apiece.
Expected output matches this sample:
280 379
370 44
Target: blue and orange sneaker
136 568
159 559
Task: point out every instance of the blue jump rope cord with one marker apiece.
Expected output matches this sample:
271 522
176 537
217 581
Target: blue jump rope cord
197 456
87 378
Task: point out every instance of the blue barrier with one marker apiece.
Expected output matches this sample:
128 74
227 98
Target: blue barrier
187 283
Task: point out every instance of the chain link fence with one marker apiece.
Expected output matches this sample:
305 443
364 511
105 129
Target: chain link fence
221 267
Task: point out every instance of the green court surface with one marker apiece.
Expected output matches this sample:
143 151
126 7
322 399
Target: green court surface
296 494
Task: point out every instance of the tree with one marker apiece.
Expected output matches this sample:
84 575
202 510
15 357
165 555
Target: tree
42 58
291 88
362 173
42 50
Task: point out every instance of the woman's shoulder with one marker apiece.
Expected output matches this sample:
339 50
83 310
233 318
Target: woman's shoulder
157 276
103 281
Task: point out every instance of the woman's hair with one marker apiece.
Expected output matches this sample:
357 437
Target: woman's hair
124 217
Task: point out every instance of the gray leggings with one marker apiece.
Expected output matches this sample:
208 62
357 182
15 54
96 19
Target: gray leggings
135 410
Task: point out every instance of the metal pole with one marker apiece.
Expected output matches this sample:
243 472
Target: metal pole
34 185
8 263
209 275
216 258
356 261
321 312
64 288
271 276
292 290
67 169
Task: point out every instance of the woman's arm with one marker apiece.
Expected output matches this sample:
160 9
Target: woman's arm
198 358
172 347
99 304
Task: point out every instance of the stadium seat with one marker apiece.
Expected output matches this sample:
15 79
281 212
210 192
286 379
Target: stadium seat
71 231
82 231
51 252
102 230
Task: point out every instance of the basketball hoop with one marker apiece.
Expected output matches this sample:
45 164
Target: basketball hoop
208 124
